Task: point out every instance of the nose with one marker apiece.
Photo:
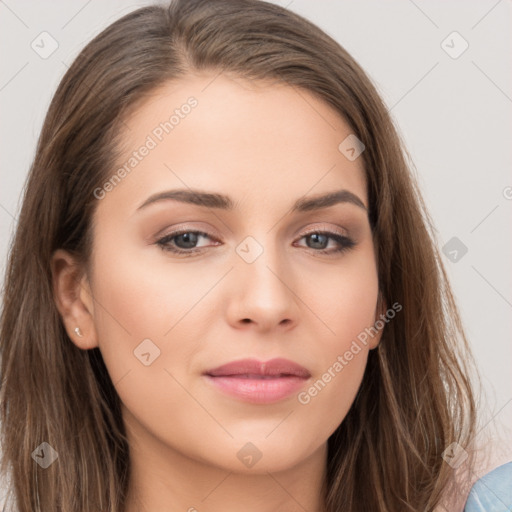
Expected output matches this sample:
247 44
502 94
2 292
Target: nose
262 292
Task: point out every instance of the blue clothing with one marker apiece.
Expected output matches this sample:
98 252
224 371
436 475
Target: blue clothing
492 492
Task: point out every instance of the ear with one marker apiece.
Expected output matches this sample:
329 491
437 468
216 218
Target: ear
380 321
73 298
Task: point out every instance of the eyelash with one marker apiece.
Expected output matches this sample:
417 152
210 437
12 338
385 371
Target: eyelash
345 242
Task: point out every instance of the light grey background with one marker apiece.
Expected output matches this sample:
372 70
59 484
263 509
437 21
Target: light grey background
454 115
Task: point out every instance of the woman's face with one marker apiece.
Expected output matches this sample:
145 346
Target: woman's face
258 279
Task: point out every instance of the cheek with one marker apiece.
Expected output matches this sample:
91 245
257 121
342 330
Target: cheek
143 298
149 328
327 400
135 302
345 301
343 297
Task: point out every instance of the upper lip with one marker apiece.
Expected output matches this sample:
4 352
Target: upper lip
273 367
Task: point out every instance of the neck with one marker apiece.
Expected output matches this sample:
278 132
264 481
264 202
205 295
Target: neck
165 479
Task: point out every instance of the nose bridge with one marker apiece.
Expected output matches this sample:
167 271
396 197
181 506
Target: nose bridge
263 289
261 259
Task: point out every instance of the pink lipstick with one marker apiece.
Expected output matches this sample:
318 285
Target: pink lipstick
259 382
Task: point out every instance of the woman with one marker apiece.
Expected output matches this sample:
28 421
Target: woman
224 284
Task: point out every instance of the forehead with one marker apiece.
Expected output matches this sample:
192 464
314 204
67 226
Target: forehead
260 142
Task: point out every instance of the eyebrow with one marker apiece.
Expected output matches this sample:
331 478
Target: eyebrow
223 202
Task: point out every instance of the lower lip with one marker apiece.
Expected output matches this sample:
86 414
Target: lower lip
258 391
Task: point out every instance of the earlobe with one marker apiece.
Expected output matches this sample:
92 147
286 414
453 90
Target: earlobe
73 299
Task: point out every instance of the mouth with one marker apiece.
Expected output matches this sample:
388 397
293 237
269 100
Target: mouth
256 382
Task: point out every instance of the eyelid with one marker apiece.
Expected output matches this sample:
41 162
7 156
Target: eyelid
345 241
325 227
183 227
180 228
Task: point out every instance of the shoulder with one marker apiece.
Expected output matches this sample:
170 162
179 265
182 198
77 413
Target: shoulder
492 492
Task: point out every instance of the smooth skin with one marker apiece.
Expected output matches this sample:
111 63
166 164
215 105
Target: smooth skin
265 146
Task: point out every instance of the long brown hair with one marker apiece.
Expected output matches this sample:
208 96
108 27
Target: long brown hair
415 398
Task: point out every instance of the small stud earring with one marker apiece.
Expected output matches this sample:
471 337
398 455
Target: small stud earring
78 332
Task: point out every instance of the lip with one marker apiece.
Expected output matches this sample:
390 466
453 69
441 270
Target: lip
259 382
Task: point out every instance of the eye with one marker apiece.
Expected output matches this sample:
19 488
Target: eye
320 240
186 242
